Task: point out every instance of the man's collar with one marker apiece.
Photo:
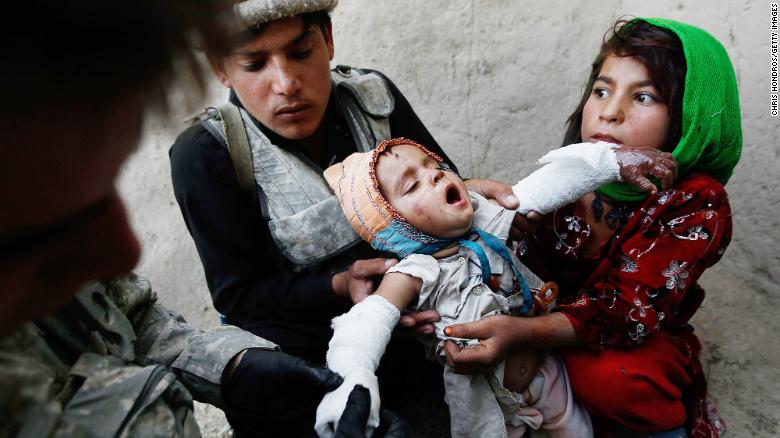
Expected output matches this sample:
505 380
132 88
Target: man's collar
332 115
274 137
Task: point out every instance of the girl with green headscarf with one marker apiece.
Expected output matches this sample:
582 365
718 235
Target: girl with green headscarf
627 262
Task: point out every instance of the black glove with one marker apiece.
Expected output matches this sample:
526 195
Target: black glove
353 420
270 384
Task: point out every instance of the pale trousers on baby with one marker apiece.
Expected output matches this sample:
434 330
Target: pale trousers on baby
481 407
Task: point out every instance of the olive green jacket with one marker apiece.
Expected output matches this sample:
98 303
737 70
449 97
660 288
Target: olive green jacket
112 362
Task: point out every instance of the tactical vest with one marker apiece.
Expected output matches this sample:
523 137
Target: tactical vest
303 214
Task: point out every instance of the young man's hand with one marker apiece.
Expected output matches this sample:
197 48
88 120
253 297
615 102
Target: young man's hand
418 323
522 225
357 282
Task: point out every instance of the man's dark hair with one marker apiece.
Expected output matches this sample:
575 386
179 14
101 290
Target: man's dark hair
92 52
660 51
319 18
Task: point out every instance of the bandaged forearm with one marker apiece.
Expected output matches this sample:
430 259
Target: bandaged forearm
358 343
567 175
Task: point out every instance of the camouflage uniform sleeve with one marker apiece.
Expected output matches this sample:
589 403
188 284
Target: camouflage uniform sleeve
198 357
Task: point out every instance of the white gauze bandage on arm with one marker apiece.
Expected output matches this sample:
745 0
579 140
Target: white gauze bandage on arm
567 175
358 343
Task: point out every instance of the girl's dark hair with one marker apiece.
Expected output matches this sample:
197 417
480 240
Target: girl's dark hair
660 51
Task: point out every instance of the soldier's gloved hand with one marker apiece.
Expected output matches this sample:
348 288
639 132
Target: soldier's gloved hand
355 415
268 384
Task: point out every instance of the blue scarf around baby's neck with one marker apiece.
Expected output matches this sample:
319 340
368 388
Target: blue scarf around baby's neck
403 240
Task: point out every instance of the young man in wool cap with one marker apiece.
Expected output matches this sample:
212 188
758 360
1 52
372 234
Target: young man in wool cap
279 257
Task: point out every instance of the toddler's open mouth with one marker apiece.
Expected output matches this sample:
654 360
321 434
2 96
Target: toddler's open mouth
453 195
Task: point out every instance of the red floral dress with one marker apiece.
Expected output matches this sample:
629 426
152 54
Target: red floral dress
644 281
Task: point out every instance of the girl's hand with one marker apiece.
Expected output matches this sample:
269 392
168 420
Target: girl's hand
499 335
494 346
638 164
495 340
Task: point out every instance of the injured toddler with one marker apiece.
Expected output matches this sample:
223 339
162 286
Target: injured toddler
401 198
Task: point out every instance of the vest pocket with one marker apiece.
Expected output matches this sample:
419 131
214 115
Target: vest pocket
314 234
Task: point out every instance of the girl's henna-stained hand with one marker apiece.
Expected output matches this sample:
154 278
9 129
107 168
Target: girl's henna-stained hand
502 333
638 164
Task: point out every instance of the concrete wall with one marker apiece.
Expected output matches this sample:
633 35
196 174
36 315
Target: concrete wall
494 81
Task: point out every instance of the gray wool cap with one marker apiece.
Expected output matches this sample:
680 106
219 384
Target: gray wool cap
254 12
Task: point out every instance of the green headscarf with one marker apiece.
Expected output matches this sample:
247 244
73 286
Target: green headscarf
711 140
